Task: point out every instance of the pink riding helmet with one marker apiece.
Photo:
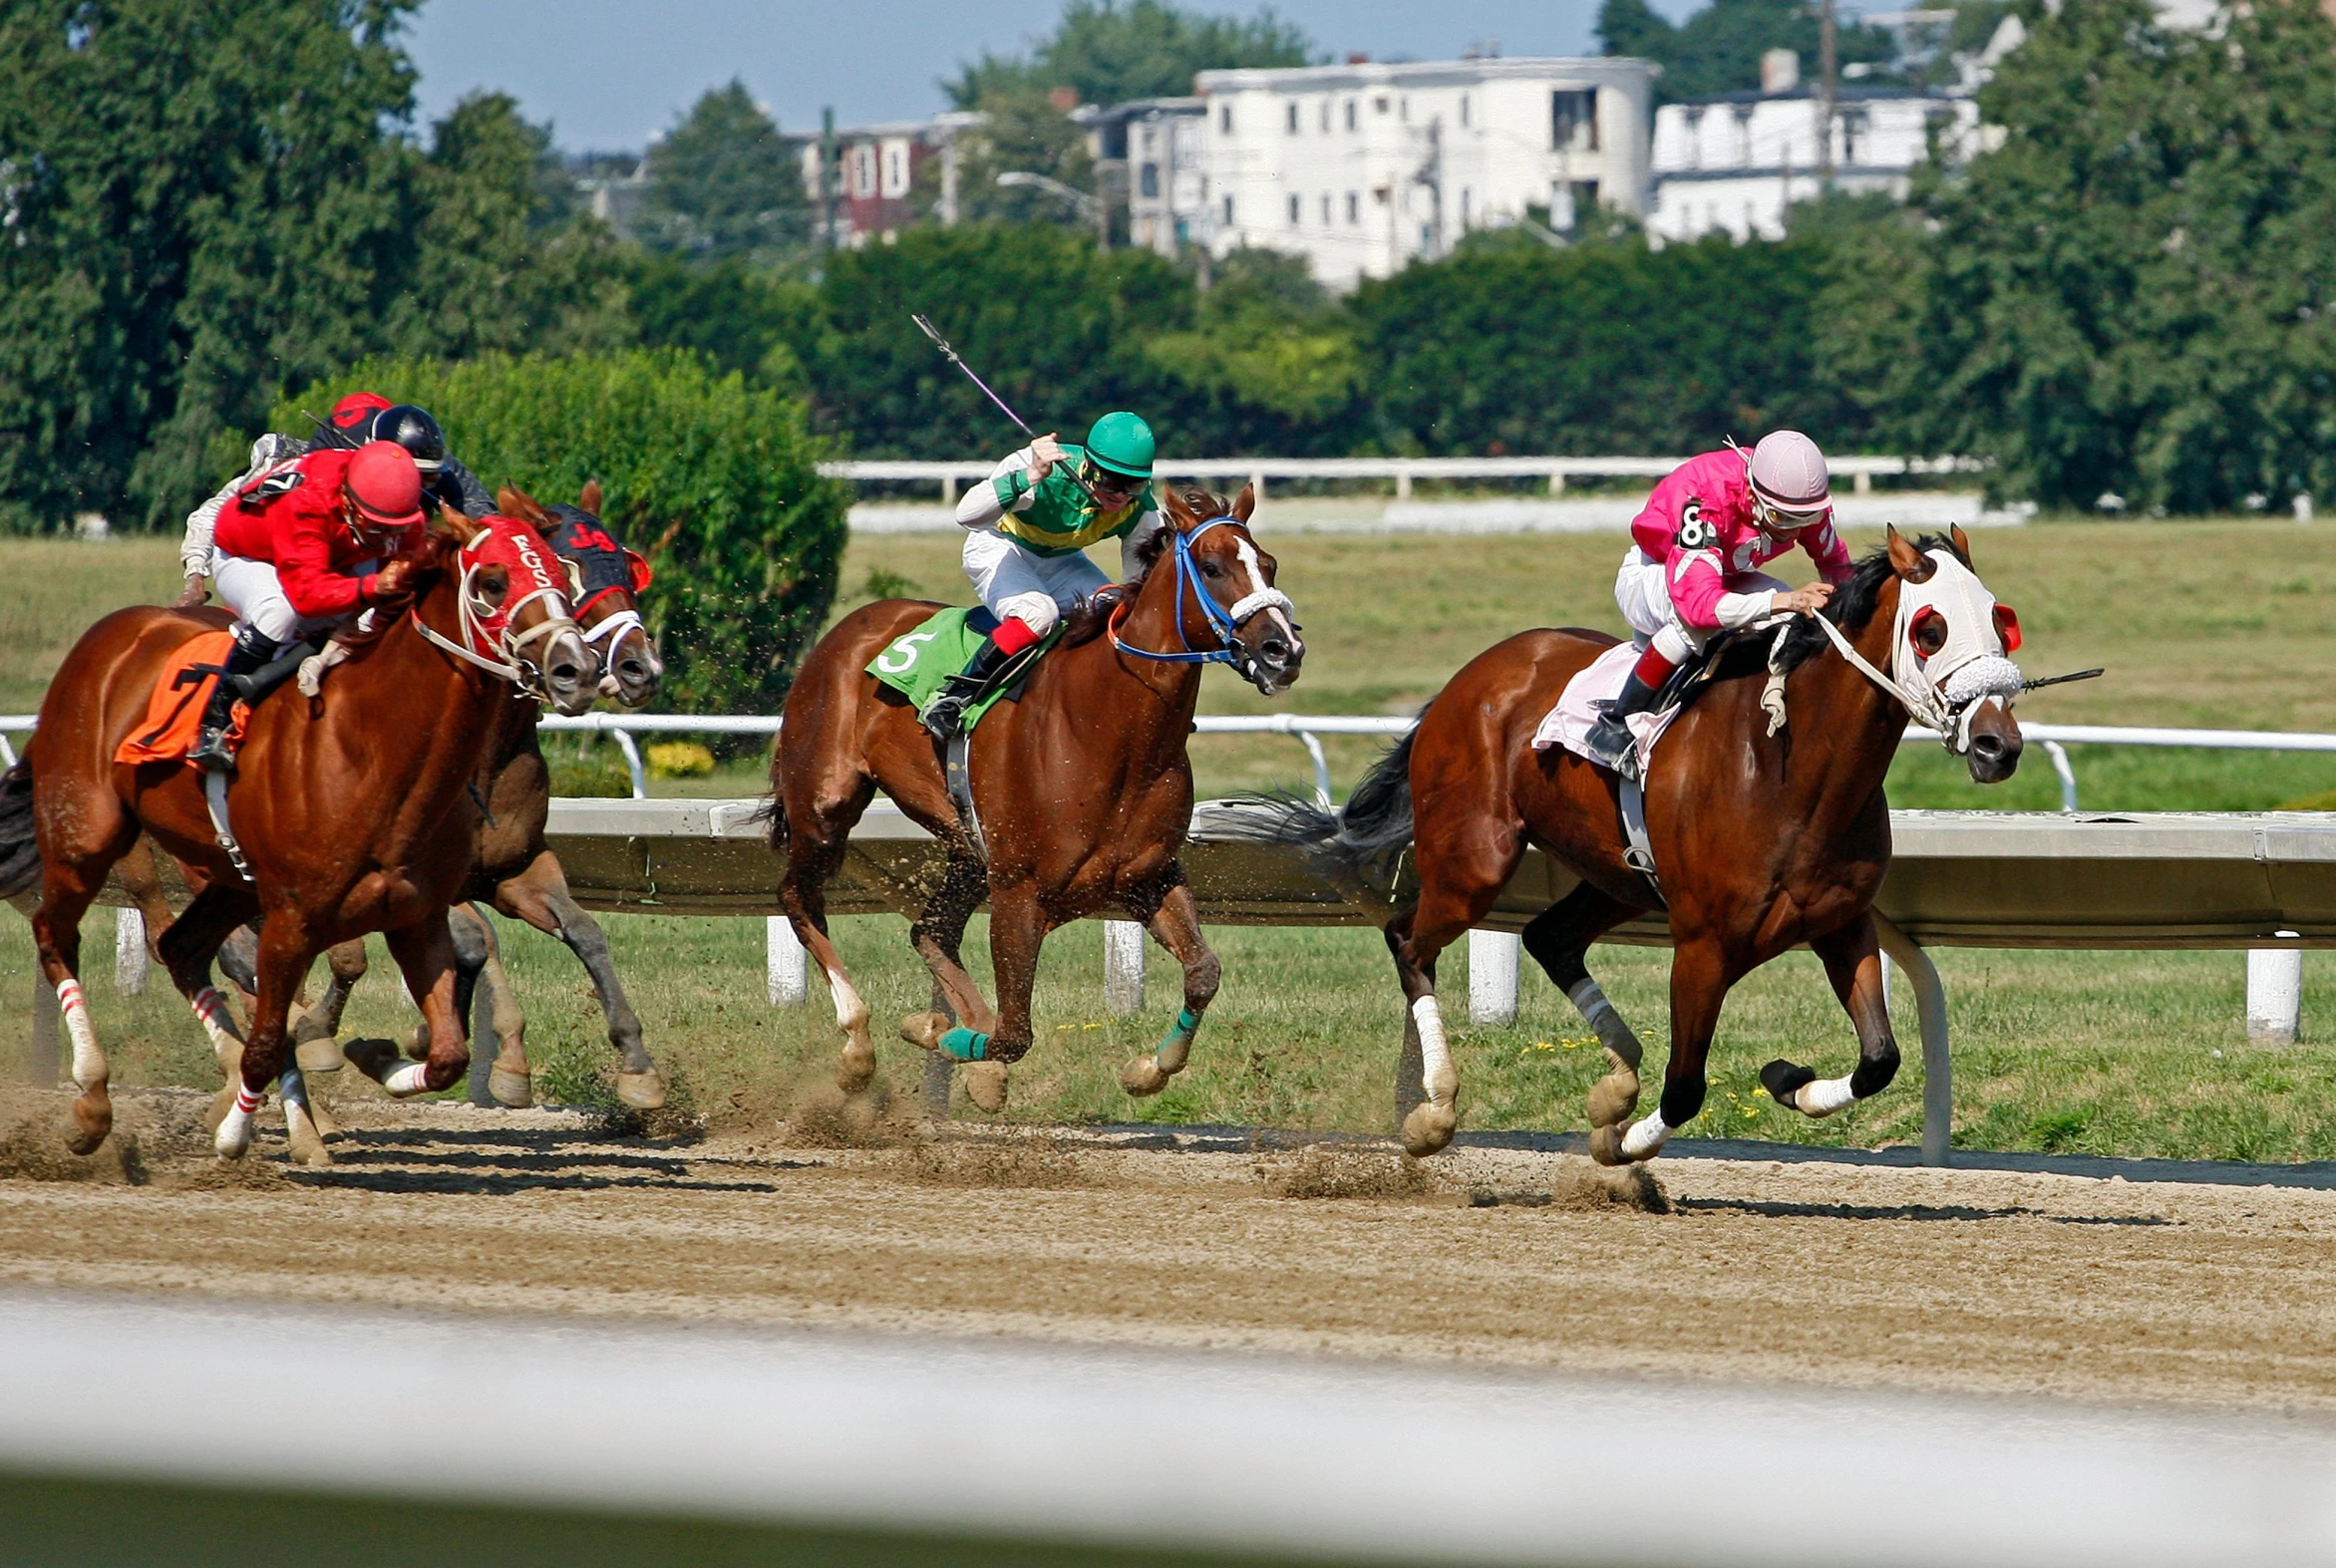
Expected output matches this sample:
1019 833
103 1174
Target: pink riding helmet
1788 472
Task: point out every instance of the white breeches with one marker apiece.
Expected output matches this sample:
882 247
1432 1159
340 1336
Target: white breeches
251 589
1022 585
1642 589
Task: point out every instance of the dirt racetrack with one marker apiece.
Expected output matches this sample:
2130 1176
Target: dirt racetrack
1747 1271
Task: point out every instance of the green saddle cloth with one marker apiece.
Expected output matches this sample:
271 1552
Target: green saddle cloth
919 663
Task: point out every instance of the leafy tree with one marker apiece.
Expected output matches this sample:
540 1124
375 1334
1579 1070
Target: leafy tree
713 480
1266 340
502 260
1717 49
202 202
1109 53
738 317
2132 294
724 183
1021 132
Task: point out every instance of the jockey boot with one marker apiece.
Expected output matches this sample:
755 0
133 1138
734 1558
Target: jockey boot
258 682
1610 739
248 653
947 712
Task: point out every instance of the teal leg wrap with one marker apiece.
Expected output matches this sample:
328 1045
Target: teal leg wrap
964 1045
1185 1027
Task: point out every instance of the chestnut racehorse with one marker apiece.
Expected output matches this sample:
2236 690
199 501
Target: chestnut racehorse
352 810
515 869
1081 787
1763 837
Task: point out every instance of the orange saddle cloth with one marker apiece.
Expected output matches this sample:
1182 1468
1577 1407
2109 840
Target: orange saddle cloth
173 715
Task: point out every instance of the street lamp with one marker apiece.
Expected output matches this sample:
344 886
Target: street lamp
1089 206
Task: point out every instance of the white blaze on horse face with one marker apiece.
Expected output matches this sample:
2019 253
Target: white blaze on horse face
1646 1137
1259 586
1824 1096
1436 1073
850 1011
89 1063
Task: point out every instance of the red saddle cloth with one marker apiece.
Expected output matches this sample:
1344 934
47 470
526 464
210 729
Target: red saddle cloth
173 715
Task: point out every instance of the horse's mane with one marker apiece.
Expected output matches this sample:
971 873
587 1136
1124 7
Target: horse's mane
1851 608
1085 622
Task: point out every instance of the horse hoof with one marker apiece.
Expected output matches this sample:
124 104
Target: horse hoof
301 1134
1144 1075
376 1058
92 1118
233 1140
1614 1098
516 1092
640 1090
319 1054
924 1030
1606 1147
1783 1081
1429 1128
985 1084
855 1065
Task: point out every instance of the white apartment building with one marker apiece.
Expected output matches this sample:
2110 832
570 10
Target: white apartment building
1733 164
1362 167
1149 151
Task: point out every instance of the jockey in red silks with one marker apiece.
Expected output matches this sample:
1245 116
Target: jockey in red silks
1692 571
298 552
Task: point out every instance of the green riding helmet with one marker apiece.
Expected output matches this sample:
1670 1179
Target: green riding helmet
1122 443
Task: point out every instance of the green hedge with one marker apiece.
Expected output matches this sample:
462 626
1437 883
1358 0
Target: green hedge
713 480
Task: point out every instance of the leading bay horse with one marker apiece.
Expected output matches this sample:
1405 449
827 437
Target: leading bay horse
352 810
1764 836
1082 785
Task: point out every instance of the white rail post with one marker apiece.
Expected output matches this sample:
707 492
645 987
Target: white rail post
1938 1080
128 952
785 968
2274 995
1492 976
1122 968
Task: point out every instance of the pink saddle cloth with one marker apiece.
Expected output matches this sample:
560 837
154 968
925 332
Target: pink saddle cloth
1577 708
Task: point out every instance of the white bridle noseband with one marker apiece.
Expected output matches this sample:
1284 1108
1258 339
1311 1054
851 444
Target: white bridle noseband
1942 690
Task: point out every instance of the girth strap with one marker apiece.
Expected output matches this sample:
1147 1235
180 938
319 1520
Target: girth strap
1639 854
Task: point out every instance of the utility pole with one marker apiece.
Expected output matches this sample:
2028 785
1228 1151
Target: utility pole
828 175
1829 62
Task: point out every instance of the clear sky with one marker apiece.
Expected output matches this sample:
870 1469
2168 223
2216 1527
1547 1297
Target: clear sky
611 74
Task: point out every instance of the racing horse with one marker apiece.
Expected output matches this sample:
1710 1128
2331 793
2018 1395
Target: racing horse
352 813
515 870
1082 787
1765 834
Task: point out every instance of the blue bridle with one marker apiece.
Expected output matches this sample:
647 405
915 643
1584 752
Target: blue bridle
1220 620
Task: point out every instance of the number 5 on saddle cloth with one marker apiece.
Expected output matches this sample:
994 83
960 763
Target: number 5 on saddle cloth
920 663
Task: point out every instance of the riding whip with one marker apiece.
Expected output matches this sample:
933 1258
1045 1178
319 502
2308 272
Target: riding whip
2061 679
954 357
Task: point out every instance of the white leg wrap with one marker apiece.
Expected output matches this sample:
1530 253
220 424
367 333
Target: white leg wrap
89 1063
235 1136
407 1081
850 1011
210 1008
1824 1096
1646 1137
1435 1056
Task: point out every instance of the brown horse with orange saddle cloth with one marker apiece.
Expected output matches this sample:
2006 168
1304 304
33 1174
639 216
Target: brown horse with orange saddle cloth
351 813
1767 825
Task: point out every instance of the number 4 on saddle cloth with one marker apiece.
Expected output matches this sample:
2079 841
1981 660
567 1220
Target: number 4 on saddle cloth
919 663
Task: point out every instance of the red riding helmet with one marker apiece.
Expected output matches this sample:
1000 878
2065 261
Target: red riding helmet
353 414
385 486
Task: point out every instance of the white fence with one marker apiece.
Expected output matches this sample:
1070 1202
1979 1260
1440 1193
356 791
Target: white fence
952 475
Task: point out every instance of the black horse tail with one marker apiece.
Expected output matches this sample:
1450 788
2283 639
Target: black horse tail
1361 842
19 850
774 811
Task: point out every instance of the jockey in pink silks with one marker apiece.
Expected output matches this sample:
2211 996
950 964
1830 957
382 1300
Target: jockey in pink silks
1692 568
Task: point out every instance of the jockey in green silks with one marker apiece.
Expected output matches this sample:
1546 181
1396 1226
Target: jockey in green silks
1027 528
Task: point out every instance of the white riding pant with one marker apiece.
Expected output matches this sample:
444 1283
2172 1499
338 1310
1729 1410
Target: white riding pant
1642 589
1023 585
251 589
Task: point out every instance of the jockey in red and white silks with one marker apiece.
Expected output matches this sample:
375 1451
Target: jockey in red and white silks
1692 566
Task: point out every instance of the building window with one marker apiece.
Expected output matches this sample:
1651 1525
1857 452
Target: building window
1350 114
1148 180
1229 212
1354 207
1224 119
1855 136
1379 105
1467 203
1293 119
1326 114
863 171
1574 120
1464 111
1295 202
1402 109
